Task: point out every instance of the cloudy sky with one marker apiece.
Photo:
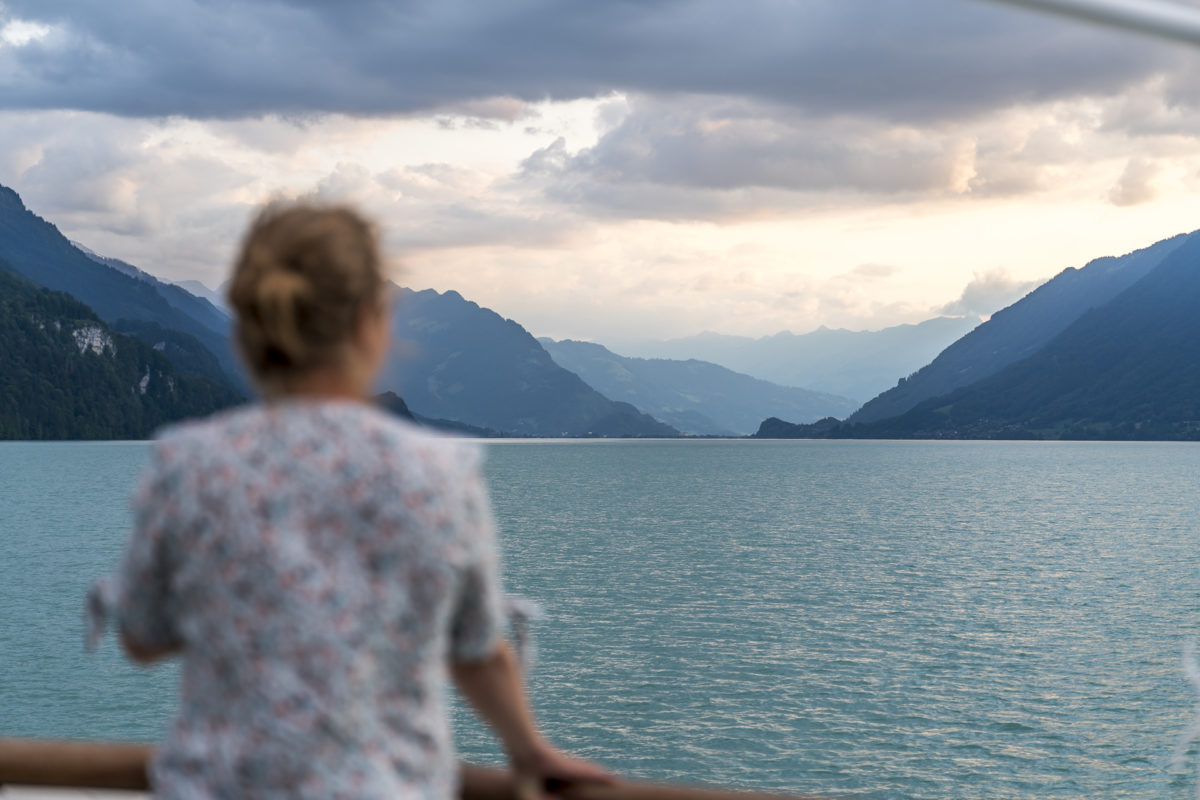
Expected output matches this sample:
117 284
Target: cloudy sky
609 169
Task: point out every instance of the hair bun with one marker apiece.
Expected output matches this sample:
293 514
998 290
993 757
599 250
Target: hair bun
284 299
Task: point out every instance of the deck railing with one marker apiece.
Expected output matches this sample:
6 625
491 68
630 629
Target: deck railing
95 765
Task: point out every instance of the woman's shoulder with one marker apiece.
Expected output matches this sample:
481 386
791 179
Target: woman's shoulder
358 428
437 449
214 428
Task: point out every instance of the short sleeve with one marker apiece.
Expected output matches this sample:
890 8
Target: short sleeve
144 603
478 621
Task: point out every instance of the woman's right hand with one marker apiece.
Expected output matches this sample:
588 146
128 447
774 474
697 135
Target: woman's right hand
493 686
544 764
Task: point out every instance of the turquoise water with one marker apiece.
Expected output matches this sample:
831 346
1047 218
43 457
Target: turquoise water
865 619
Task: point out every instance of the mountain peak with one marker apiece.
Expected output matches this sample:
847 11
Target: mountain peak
10 200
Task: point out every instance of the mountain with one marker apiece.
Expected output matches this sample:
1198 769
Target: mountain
185 351
212 316
1021 329
392 402
694 396
855 364
1128 369
464 363
203 292
470 370
112 289
65 374
199 307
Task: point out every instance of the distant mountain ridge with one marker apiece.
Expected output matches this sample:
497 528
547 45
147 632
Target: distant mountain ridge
1128 368
694 396
196 306
216 298
854 364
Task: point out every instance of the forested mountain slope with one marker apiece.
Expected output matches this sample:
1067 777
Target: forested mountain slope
1129 369
36 249
1021 329
65 374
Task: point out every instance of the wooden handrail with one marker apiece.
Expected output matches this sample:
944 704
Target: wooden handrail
97 765
77 765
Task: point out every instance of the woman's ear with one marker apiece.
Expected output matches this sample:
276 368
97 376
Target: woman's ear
373 335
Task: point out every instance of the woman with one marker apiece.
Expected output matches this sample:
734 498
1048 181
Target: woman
320 567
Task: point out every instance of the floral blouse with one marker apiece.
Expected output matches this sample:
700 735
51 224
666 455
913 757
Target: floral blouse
318 564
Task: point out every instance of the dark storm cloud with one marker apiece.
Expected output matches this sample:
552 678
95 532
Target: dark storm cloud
736 152
911 60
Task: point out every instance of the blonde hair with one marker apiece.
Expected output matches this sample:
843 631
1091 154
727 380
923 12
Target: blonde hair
304 276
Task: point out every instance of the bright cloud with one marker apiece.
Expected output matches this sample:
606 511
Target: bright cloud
989 292
18 33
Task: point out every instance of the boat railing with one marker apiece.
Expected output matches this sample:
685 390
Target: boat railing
82 766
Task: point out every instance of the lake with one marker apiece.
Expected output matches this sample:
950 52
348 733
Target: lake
860 619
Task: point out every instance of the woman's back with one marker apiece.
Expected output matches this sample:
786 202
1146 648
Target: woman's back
320 567
319 563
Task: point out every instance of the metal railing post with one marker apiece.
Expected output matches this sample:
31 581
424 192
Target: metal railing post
1156 17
